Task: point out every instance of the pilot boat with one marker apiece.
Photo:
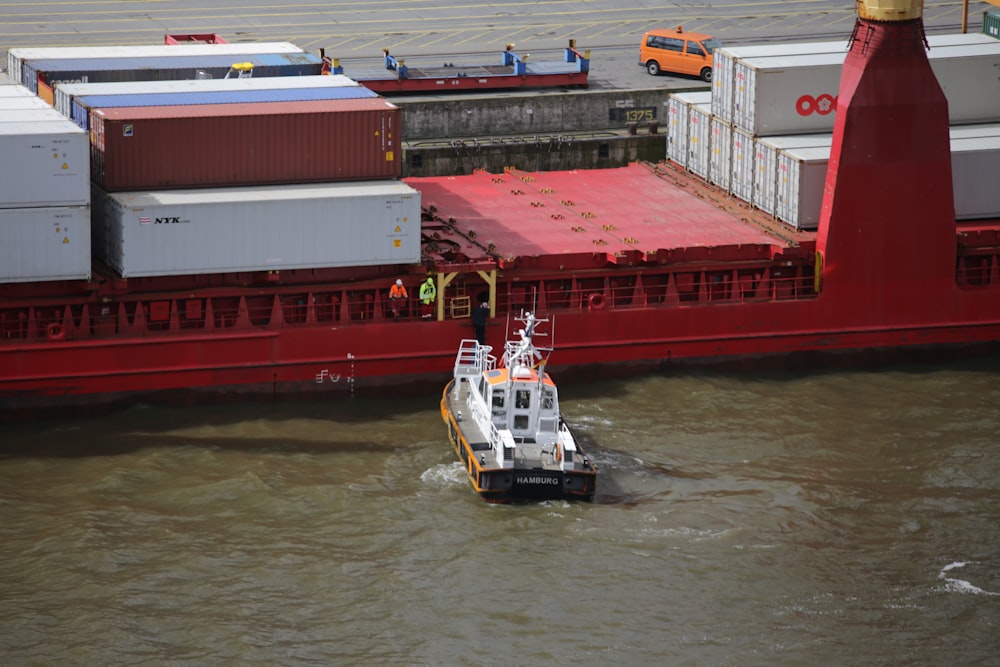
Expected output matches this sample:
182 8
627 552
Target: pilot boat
505 425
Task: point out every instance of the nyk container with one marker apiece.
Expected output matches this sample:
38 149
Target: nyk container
48 73
82 104
678 130
180 232
18 55
44 243
65 92
52 167
220 145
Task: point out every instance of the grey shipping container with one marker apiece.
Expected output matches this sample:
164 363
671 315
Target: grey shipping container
742 163
29 115
678 105
18 55
802 176
724 80
975 173
975 166
48 73
66 92
720 147
52 167
22 103
799 95
44 244
699 139
15 91
767 151
180 232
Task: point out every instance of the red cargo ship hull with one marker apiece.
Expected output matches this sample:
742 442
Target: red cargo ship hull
656 268
639 267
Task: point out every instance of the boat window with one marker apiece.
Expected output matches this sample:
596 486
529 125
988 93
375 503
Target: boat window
520 422
522 399
498 398
548 399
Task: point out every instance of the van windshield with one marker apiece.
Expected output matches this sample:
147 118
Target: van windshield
711 44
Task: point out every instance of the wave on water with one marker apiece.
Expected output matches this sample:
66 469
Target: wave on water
961 585
444 475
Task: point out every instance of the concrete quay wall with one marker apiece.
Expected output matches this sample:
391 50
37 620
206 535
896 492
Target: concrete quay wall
536 131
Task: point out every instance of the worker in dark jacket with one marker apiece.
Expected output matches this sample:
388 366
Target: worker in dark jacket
479 316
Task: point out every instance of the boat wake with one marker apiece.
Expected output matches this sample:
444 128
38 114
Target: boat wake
961 585
444 475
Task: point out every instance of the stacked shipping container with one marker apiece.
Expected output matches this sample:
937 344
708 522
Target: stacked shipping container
790 89
291 172
44 193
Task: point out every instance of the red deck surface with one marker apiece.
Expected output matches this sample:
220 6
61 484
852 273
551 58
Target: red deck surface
618 211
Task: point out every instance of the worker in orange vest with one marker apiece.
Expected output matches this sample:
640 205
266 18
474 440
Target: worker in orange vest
397 295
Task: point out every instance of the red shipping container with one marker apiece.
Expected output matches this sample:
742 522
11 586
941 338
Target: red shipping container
213 145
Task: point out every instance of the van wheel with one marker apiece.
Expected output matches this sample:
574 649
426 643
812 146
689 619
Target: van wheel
706 74
653 68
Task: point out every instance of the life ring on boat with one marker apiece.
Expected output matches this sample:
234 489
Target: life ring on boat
557 453
55 331
596 301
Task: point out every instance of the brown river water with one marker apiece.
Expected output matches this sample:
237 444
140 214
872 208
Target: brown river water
834 518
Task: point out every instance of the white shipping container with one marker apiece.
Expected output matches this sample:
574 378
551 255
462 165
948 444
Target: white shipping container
699 139
801 179
223 230
724 80
678 132
65 92
726 85
767 150
45 243
17 56
742 172
975 171
52 167
799 95
29 115
970 131
975 175
23 103
721 146
15 91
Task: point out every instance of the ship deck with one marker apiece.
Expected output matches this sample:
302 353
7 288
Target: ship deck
584 218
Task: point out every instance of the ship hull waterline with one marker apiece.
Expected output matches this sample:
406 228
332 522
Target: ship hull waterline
378 357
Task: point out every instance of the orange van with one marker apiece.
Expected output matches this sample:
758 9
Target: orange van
678 51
